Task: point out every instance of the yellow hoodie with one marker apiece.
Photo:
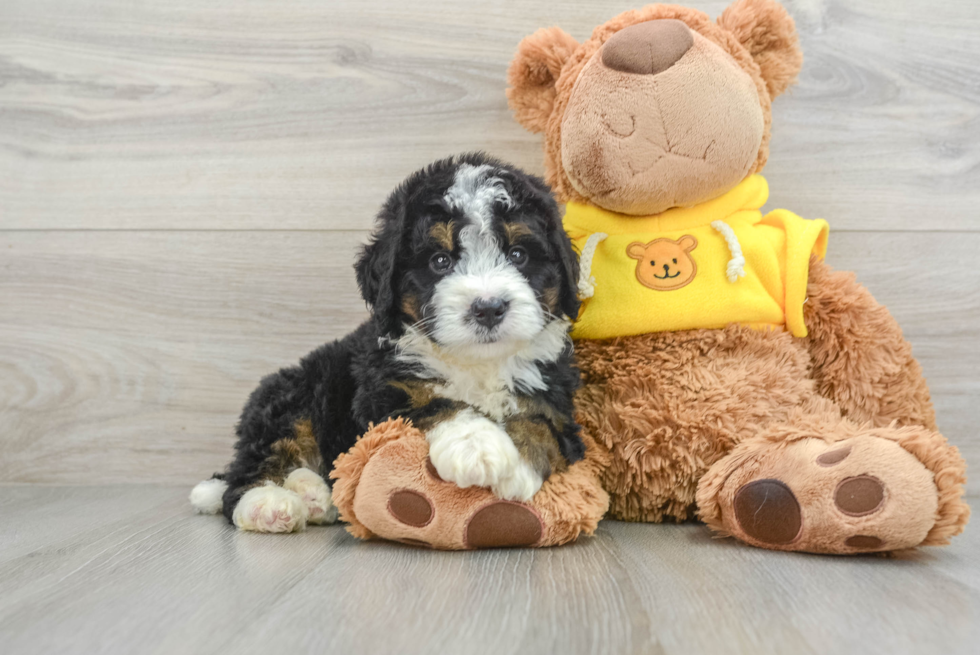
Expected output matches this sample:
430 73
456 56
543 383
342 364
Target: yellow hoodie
705 266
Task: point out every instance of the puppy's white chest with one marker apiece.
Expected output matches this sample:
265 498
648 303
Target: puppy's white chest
483 389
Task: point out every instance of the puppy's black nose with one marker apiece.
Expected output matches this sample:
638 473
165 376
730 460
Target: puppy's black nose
489 312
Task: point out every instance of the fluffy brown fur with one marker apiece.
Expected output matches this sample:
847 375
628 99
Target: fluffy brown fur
768 33
860 358
533 73
669 405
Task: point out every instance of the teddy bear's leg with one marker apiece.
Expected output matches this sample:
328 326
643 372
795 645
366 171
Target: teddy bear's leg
860 359
825 485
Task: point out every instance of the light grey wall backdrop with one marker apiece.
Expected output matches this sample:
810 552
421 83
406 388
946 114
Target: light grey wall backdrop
183 186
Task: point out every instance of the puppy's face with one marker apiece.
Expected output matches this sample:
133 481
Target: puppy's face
480 264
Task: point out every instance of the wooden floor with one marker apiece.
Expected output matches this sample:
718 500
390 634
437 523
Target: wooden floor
129 569
183 186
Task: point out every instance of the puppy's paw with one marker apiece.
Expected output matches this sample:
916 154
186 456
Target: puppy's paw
471 450
270 508
520 485
315 493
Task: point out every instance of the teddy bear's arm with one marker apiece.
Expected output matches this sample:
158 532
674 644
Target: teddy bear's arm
860 358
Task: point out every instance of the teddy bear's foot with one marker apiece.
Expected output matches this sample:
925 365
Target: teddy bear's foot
387 486
405 499
860 494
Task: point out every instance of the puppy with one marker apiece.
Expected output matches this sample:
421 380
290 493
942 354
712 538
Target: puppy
470 280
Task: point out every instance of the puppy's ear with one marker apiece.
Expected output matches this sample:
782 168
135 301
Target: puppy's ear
533 73
769 34
561 247
375 267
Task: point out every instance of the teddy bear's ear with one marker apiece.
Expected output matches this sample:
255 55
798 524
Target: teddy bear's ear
636 250
687 243
533 73
769 34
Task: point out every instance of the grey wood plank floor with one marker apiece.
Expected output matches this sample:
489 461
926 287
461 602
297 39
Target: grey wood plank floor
129 569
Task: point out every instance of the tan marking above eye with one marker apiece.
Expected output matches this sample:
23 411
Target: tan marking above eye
515 231
442 233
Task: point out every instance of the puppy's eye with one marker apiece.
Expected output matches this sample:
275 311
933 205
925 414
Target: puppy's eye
441 263
517 256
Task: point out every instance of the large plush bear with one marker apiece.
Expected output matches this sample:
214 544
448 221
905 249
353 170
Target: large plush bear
730 374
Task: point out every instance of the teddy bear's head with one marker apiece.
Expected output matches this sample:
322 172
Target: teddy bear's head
661 107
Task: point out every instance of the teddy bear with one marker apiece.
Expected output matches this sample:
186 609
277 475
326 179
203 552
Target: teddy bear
730 375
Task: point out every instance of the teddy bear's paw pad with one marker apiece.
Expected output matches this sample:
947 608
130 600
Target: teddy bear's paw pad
270 508
860 496
834 457
768 512
315 494
411 508
864 494
503 524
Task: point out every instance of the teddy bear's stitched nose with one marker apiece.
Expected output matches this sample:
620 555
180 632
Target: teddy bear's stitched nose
647 48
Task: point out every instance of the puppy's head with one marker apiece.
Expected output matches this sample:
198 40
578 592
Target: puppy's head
470 253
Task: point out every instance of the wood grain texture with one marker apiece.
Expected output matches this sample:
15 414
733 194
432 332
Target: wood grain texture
151 577
304 114
183 187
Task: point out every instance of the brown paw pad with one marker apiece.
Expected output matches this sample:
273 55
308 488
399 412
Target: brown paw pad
411 508
767 511
834 457
860 496
503 524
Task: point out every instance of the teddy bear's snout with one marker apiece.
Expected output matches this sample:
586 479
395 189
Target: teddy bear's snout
647 48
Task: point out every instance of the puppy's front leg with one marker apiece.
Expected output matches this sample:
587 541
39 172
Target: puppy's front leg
471 450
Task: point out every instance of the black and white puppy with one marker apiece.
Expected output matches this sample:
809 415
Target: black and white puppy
470 279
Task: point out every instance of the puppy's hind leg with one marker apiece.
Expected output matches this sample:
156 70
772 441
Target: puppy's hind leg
206 495
283 493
